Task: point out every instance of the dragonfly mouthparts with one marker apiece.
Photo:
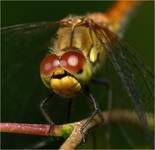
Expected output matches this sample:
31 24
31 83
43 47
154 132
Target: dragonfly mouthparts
59 76
65 84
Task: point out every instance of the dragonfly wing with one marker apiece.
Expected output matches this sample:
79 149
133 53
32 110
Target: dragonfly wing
27 35
135 75
27 27
23 47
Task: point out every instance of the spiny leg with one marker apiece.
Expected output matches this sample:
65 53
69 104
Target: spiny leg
46 141
107 84
44 111
43 143
96 111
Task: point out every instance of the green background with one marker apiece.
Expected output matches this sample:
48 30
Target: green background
22 91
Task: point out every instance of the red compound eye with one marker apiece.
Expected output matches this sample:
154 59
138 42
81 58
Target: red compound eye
73 61
49 63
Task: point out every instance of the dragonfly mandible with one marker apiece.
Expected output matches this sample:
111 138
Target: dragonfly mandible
76 54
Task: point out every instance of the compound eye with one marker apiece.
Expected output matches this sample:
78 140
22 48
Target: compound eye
48 64
72 61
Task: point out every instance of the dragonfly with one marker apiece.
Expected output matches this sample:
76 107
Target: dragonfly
81 45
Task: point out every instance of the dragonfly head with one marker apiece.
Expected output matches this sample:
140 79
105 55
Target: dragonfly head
65 74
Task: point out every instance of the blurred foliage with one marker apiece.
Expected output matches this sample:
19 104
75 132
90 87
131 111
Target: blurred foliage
22 90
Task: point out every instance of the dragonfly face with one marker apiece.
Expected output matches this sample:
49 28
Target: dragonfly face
63 73
71 65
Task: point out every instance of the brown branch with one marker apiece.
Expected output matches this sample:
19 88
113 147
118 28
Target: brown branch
121 116
72 130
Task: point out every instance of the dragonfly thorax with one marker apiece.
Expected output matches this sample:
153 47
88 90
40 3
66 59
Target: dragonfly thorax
77 32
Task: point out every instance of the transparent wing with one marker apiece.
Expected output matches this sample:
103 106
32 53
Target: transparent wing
23 47
28 27
27 36
135 75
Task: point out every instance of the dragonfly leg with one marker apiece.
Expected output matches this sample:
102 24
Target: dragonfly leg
106 83
44 111
43 143
96 112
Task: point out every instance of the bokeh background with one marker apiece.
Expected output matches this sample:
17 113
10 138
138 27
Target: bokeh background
22 89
